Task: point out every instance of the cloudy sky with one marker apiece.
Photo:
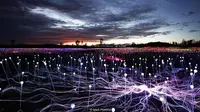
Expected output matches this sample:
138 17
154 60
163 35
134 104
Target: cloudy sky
116 21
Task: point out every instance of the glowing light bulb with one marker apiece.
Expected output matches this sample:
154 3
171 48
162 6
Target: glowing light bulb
125 75
192 86
161 99
113 109
22 82
73 106
90 86
149 74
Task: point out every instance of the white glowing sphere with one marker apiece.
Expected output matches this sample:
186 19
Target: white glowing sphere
0 89
64 73
149 74
192 86
74 73
73 106
10 58
22 82
161 99
142 74
90 86
81 64
22 73
125 75
105 65
195 71
1 62
191 73
113 109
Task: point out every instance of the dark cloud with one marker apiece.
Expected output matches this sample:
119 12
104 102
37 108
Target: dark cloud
192 31
190 13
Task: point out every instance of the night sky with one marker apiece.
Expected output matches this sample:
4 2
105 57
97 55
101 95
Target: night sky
116 21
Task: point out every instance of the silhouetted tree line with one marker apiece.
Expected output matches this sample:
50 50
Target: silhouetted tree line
184 43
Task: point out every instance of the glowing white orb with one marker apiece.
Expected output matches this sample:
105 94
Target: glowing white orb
113 109
149 74
90 86
161 99
192 86
125 75
73 106
22 82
